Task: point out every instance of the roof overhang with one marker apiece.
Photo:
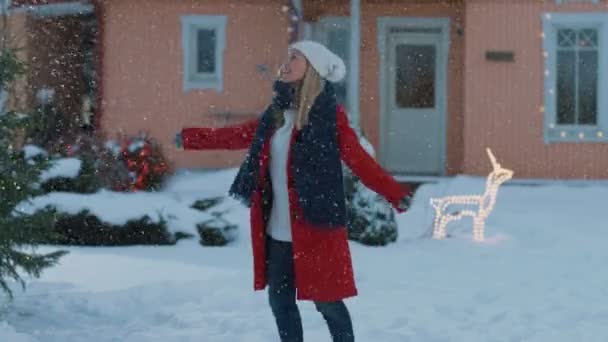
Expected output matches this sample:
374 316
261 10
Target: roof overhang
52 8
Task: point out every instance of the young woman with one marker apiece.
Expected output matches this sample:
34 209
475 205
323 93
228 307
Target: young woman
292 181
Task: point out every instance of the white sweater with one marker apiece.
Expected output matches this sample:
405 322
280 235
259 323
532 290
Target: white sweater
279 224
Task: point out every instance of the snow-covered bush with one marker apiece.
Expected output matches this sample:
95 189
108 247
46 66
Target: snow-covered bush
96 161
370 218
127 164
108 218
216 231
77 167
86 229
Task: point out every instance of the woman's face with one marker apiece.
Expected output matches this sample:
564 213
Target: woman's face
295 67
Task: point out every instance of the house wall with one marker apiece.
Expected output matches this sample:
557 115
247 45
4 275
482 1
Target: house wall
503 101
55 60
370 62
143 70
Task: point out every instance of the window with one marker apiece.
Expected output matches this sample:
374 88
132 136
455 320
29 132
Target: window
415 67
334 32
575 75
559 2
203 40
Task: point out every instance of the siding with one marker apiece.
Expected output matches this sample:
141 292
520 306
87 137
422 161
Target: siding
370 63
503 100
143 73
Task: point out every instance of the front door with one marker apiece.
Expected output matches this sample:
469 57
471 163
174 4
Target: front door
414 109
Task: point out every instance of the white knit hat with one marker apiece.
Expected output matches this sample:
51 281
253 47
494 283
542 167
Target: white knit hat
326 63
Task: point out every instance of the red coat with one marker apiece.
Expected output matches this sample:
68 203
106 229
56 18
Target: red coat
322 259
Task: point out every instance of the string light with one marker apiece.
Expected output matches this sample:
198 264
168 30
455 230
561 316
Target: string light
294 21
563 134
484 202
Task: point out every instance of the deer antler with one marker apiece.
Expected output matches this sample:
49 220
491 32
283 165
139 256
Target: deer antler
495 164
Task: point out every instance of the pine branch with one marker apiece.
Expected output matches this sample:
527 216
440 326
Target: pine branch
19 177
11 261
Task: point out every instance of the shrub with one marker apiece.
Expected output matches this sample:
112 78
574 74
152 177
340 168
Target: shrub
86 229
370 218
216 231
146 165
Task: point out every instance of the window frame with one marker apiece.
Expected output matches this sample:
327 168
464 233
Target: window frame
562 2
190 25
553 132
5 6
320 33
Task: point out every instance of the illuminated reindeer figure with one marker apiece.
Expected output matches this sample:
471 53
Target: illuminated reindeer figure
484 202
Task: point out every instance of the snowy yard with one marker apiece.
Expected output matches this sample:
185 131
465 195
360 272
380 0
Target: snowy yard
540 277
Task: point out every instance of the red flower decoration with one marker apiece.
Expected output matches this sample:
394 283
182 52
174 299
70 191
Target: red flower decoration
143 158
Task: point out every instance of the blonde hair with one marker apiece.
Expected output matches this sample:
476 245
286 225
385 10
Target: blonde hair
307 91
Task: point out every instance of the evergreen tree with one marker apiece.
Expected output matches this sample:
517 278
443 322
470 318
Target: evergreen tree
19 175
371 219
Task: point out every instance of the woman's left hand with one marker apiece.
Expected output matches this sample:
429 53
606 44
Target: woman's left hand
405 202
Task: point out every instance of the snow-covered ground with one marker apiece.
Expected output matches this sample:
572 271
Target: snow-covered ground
540 277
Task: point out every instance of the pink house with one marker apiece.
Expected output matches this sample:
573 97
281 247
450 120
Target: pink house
431 83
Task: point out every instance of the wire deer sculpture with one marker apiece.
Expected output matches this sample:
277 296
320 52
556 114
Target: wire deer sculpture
485 203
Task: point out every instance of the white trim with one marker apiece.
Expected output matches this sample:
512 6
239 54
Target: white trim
384 26
354 63
579 182
54 10
419 179
320 33
191 23
5 6
298 5
554 133
562 2
555 181
307 30
339 21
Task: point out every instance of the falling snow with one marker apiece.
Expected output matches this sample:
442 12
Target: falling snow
520 285
537 276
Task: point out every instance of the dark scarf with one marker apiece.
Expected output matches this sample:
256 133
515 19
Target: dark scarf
315 159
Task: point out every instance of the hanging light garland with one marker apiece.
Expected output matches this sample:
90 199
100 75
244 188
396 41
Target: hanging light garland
294 18
485 203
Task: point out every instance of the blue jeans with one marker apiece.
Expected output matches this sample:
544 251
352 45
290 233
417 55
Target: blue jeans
282 298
